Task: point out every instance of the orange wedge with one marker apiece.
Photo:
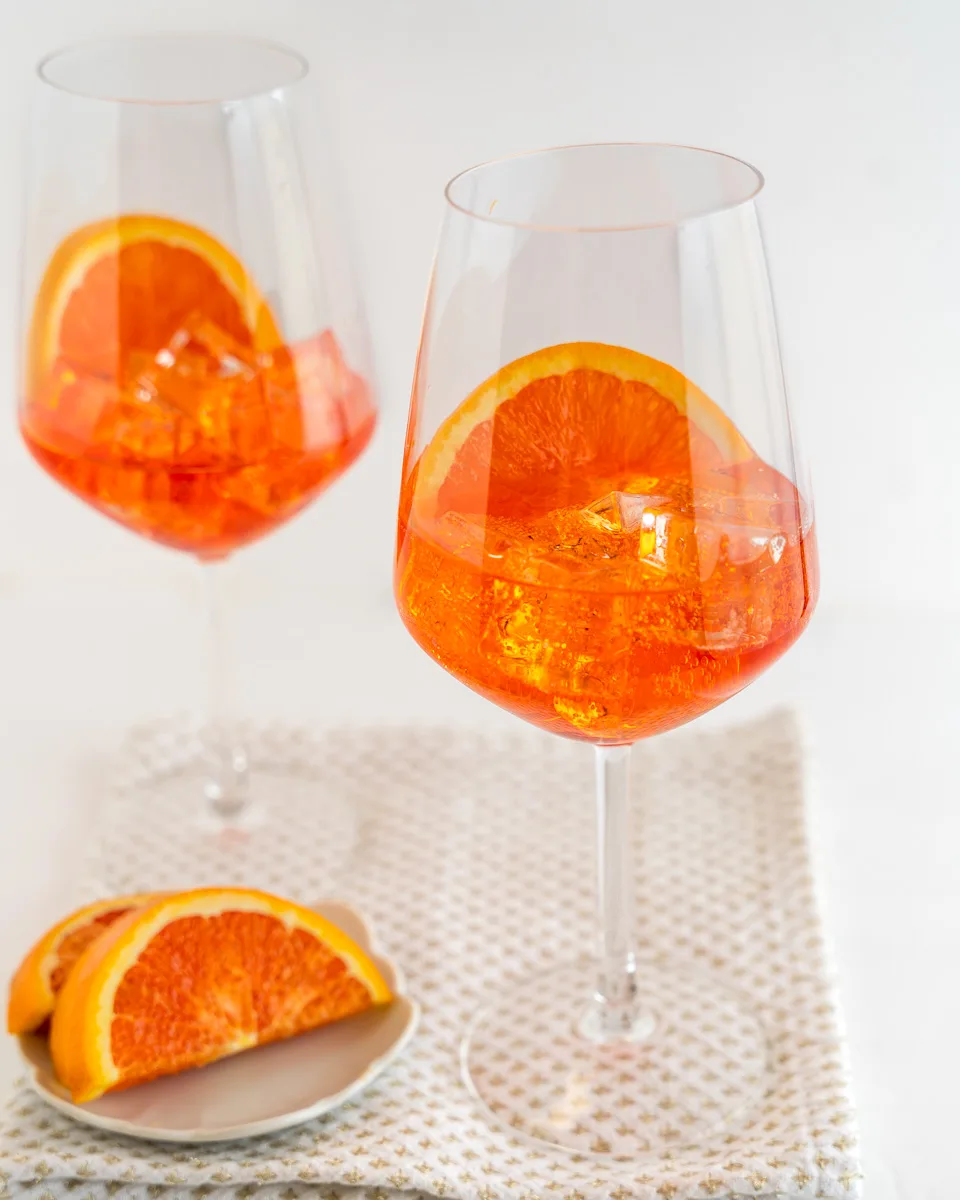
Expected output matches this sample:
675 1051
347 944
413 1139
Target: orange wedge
519 442
45 969
198 976
127 283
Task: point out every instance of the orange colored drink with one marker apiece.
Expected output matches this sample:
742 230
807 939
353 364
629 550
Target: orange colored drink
206 445
596 548
158 389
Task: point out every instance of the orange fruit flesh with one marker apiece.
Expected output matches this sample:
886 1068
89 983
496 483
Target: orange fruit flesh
136 300
562 438
198 977
122 285
45 969
591 543
74 944
164 1023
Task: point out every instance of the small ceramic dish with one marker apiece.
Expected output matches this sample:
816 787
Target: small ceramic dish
259 1091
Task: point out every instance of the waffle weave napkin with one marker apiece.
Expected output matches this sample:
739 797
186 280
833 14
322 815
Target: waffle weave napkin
471 853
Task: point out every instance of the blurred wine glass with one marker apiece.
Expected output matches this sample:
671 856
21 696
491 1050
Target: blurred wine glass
194 355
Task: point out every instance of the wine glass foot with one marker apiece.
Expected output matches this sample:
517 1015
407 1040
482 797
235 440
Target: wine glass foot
693 1065
226 814
603 1024
226 792
294 832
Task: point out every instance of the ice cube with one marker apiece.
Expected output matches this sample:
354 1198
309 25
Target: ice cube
259 488
67 409
312 375
321 379
547 551
754 510
319 362
660 532
750 494
746 543
465 536
213 385
626 511
740 602
285 412
725 625
356 405
224 353
139 426
708 548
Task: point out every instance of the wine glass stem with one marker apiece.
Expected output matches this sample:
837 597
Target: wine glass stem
226 785
615 1014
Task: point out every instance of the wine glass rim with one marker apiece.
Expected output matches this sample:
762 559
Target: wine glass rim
183 35
620 227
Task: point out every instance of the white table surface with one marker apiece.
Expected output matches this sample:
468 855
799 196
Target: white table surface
84 657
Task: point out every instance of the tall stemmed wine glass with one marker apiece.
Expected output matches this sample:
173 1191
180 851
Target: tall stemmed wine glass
194 356
605 529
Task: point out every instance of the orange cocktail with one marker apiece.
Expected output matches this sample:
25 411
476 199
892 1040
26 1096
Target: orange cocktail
590 543
159 389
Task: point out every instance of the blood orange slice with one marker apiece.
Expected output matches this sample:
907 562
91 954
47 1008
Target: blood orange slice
539 429
127 284
198 976
45 969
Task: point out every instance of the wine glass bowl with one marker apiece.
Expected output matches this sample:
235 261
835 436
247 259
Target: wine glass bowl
205 443
619 595
606 529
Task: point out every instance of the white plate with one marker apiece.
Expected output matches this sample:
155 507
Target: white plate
259 1091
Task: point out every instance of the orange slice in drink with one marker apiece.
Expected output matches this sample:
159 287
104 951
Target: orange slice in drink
524 441
127 284
198 976
45 969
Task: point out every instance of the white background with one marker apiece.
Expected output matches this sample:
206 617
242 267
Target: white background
849 107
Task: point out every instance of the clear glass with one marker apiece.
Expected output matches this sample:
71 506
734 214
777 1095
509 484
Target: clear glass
195 360
605 528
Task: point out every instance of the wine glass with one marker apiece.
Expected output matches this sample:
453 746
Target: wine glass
605 529
194 356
